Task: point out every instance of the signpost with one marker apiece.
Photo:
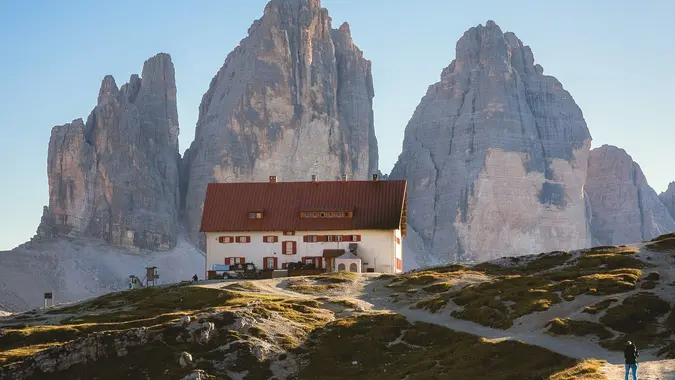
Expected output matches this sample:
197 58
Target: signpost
49 296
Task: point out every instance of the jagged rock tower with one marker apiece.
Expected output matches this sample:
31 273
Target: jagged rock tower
293 99
668 199
116 176
496 156
624 208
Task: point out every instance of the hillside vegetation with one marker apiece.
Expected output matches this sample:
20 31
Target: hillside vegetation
243 331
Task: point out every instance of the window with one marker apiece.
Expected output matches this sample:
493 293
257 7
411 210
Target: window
352 237
338 214
225 239
322 215
290 248
399 264
310 238
329 238
330 214
270 239
306 215
289 233
255 215
338 238
314 215
234 260
316 260
348 214
243 239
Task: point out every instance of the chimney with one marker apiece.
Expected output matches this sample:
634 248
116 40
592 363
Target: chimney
273 179
375 178
313 177
344 177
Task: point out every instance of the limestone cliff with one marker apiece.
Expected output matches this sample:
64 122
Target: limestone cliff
624 208
115 177
668 199
496 156
293 99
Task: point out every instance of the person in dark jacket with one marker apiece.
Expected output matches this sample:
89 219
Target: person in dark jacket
630 353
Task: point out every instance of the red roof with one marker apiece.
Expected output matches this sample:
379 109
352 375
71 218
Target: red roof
376 205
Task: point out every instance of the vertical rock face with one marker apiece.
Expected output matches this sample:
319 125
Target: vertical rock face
116 176
293 99
624 208
496 156
668 199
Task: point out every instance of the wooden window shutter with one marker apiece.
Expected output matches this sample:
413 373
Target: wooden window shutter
347 237
284 265
276 263
321 238
228 261
356 238
295 247
276 239
305 238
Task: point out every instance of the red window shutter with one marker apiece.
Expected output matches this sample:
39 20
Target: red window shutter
284 265
305 238
242 260
357 237
228 261
295 247
276 263
220 239
276 239
248 239
347 237
321 238
318 262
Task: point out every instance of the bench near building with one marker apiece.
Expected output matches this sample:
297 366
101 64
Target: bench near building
336 225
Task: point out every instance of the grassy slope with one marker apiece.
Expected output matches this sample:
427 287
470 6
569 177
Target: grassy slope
627 306
290 332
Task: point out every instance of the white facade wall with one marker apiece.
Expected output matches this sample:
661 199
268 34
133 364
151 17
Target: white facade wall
377 249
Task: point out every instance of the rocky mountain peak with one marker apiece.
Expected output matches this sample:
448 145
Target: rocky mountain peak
495 156
108 91
293 99
623 207
668 199
115 177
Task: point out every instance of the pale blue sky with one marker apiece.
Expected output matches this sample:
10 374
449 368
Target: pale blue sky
617 59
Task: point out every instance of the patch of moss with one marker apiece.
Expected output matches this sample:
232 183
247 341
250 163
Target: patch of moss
387 346
637 318
567 326
486 303
433 304
635 313
663 243
600 306
439 287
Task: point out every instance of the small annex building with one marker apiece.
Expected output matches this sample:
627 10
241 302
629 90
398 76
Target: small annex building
355 225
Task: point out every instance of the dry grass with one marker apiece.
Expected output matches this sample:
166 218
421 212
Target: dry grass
544 280
637 319
387 346
586 370
663 243
600 306
567 326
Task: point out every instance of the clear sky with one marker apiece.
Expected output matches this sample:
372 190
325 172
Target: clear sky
616 57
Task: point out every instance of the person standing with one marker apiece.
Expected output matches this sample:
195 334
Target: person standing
630 353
